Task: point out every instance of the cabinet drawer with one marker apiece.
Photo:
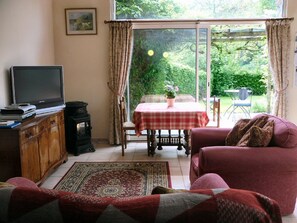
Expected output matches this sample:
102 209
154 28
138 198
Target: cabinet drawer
42 126
53 120
28 134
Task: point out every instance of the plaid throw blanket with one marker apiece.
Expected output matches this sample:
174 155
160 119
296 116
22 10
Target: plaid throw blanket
220 205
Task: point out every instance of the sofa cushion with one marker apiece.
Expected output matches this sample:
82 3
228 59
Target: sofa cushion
234 135
242 127
257 136
223 205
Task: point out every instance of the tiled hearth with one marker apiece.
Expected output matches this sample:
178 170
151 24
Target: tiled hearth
179 164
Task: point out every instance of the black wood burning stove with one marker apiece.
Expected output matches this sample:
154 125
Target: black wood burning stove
78 128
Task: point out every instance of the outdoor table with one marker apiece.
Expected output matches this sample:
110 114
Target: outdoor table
233 93
156 116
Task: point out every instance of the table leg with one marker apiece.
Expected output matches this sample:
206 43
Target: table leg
160 140
148 141
179 147
152 142
187 145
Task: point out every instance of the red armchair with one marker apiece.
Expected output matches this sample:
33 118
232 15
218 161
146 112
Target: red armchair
271 170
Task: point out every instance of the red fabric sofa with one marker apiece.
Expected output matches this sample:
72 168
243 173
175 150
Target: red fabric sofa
25 202
270 170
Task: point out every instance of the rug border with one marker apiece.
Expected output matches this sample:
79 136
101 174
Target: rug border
141 161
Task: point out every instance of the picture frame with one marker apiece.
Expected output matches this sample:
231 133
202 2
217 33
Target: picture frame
81 21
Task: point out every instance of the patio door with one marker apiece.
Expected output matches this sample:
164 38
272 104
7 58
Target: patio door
203 68
169 52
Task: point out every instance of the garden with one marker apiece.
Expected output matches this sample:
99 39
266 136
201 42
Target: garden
238 55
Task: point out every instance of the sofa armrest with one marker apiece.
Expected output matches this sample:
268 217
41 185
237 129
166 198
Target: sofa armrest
271 171
231 159
209 181
22 182
202 137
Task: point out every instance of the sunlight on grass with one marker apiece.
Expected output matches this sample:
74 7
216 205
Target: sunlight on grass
259 103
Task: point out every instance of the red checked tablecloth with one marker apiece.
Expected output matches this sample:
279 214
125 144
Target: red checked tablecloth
156 116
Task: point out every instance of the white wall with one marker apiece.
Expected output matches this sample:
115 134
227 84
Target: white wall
85 60
26 38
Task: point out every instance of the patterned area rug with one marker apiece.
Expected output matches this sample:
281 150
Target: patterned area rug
115 179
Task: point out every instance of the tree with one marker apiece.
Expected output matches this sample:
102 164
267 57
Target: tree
147 9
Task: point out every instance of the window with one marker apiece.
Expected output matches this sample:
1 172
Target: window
228 57
202 59
198 9
159 55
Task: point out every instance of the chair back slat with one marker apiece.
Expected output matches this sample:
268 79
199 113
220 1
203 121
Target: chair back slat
243 93
242 102
216 112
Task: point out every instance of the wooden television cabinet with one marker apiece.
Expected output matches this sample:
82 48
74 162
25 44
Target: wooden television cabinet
34 148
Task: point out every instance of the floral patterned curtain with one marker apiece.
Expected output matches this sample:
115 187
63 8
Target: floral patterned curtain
278 37
120 47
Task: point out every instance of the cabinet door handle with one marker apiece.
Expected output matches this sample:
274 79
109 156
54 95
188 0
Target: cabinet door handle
53 122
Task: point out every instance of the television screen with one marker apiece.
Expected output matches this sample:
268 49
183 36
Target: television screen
42 86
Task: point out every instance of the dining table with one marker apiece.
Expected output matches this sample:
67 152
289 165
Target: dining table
183 116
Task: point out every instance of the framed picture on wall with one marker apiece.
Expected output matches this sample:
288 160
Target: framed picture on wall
81 21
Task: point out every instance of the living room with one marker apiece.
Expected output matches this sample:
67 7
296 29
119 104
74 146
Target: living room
85 76
34 33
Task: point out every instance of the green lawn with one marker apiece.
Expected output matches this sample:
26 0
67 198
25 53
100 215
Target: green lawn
259 103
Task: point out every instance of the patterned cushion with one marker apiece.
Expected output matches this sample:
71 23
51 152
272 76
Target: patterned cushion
235 134
241 133
257 136
218 205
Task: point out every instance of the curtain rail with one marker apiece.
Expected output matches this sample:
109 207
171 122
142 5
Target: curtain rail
193 20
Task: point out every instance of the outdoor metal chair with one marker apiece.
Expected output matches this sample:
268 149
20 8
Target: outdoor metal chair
243 101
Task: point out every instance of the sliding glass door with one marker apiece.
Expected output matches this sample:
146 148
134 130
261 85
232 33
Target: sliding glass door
203 69
169 54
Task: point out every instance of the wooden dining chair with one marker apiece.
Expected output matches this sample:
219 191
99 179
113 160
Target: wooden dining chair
126 126
216 112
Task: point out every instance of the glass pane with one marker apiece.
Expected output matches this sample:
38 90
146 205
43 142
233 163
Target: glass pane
239 59
197 9
159 55
202 60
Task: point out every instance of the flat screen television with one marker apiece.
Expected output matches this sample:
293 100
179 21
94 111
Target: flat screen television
42 86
